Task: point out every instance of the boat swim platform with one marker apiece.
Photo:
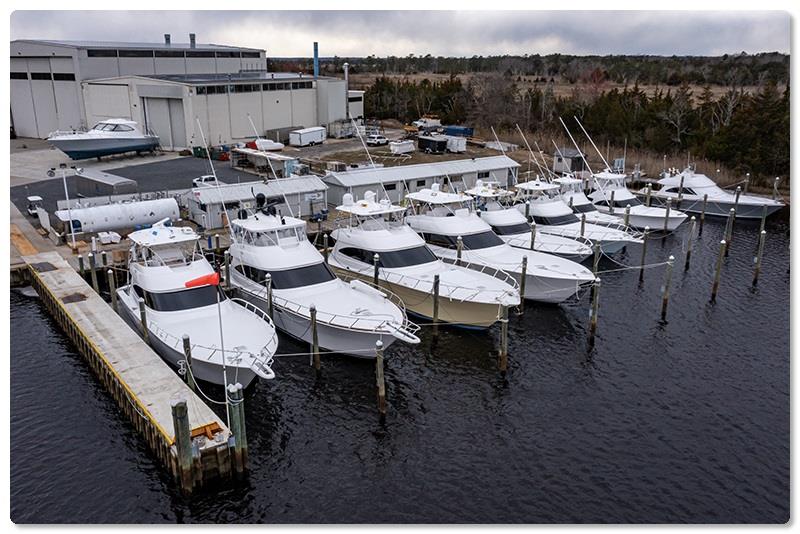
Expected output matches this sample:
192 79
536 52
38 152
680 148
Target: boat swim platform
141 383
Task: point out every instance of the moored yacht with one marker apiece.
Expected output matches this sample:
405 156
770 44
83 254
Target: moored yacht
350 317
571 190
512 227
688 188
612 196
408 268
181 297
111 136
442 218
543 203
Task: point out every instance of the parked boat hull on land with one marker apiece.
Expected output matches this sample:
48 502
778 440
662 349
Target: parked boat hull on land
102 147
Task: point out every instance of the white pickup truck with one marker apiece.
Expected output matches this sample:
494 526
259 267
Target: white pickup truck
207 180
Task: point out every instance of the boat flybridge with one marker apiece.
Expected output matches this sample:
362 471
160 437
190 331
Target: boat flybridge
407 267
181 297
612 196
688 188
111 136
571 190
553 216
442 218
512 227
350 317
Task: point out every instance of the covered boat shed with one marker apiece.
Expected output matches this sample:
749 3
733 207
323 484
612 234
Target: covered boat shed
399 180
297 195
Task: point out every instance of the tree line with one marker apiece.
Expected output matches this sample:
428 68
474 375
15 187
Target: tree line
744 130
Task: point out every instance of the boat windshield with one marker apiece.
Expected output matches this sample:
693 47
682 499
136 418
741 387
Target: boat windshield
170 254
583 208
471 241
556 220
511 229
622 203
393 259
184 299
290 278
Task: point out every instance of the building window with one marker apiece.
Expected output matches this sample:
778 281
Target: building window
227 54
101 52
355 99
251 54
19 75
484 174
200 89
390 187
199 53
63 77
169 53
41 76
135 53
422 183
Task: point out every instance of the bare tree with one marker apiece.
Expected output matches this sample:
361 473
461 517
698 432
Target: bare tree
677 114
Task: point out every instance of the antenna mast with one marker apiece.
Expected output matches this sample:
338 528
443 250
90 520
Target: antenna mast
592 142
576 146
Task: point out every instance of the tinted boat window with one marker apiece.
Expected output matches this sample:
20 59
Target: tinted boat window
626 202
512 229
394 258
185 299
288 279
583 208
556 220
482 240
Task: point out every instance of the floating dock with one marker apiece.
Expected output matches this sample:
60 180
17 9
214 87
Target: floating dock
147 390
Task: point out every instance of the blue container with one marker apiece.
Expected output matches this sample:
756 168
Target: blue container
460 131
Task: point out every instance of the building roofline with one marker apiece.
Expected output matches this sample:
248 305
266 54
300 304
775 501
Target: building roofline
128 45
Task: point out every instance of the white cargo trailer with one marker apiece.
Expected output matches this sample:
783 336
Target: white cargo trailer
456 144
307 136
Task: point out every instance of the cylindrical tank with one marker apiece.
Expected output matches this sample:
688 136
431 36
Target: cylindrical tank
119 216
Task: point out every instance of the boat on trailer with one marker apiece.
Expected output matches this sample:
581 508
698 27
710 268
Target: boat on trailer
107 137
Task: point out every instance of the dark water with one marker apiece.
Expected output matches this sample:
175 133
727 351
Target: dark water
686 421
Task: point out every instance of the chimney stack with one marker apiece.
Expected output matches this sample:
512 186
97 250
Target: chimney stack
167 38
316 60
346 91
192 40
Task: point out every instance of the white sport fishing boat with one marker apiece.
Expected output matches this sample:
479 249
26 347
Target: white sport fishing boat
571 190
111 136
512 227
688 188
542 202
612 196
441 218
408 268
168 270
350 317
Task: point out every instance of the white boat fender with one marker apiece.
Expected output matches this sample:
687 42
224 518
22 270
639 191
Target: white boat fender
358 285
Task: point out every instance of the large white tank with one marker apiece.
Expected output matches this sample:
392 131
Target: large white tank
120 216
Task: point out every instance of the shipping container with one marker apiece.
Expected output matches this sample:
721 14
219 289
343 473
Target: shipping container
460 131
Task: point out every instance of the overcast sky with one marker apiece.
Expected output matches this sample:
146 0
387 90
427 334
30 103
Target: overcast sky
447 33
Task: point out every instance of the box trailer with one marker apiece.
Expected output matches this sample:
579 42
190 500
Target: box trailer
456 144
307 136
432 145
402 147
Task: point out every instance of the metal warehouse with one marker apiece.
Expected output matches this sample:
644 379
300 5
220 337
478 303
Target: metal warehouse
46 76
399 180
301 195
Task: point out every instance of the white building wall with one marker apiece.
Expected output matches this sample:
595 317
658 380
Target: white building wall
243 104
304 109
277 109
109 101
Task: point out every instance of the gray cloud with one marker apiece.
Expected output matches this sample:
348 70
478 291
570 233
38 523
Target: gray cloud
459 33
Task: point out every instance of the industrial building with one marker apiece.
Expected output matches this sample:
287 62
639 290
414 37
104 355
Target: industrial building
397 181
46 76
66 85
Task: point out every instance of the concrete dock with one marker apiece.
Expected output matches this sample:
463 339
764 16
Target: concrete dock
142 384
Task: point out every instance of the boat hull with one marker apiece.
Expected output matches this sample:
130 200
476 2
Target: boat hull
719 208
95 148
201 370
456 312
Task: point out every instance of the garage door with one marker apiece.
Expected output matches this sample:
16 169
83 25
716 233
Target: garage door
164 117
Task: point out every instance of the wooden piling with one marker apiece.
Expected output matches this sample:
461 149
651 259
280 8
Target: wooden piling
528 209
81 267
593 311
596 260
435 305
503 352
666 216
523 276
626 220
583 224
315 342
762 236
325 247
216 246
648 193
183 444
375 275
380 379
227 256
703 215
187 354
775 188
763 218
665 288
112 288
268 285
736 197
692 223
459 249
238 429
533 234
746 182
729 230
644 252
143 321
104 259
718 271
93 272
611 203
